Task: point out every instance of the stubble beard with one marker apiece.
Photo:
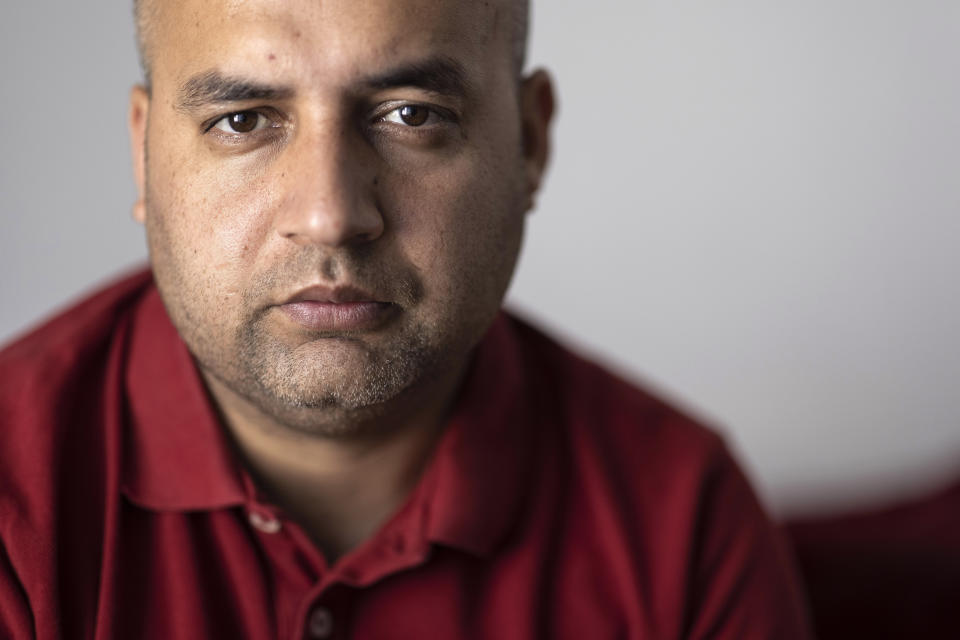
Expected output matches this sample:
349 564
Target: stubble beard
331 394
289 384
332 385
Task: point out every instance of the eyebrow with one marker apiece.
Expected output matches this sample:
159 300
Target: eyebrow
212 87
441 75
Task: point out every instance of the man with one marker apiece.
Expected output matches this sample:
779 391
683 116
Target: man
311 418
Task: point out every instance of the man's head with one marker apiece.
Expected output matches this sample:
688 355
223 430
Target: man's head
335 192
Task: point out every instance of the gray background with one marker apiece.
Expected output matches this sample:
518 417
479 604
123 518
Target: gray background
753 207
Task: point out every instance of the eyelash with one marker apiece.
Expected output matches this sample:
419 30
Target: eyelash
438 115
272 118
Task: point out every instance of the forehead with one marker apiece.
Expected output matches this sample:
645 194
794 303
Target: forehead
328 38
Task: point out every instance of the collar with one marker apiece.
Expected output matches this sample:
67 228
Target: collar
177 457
478 475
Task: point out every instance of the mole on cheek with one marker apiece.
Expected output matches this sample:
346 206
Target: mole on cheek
271 57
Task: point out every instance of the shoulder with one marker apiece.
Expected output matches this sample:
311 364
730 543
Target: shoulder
657 504
52 383
61 390
66 345
85 322
601 410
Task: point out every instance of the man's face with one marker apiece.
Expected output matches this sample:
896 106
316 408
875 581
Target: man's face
334 192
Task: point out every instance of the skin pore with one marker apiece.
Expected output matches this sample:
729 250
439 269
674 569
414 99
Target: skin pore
373 160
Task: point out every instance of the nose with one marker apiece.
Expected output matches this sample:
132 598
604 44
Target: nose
330 187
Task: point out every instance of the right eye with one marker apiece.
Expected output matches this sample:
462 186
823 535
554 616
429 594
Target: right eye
242 122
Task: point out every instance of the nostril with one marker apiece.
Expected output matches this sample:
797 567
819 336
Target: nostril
332 229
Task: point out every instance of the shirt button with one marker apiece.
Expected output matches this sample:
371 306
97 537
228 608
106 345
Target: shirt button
267 524
321 624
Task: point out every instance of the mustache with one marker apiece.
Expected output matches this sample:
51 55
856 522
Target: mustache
387 278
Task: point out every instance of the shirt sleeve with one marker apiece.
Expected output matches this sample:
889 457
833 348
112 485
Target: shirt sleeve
744 583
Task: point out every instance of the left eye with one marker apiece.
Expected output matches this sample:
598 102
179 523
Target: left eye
242 122
411 115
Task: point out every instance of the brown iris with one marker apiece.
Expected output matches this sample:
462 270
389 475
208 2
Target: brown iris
243 121
413 115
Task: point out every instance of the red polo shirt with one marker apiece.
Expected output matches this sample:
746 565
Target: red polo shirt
560 502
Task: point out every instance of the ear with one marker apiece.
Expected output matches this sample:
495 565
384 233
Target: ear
137 123
537 106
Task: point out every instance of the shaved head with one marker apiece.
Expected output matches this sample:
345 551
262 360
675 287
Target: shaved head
384 152
145 11
143 18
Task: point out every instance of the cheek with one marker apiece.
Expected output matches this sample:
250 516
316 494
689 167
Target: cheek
206 228
460 225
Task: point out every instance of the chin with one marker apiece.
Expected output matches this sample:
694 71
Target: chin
332 421
332 392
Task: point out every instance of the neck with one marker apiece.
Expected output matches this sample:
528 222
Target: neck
340 488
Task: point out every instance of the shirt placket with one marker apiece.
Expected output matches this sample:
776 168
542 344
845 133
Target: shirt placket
295 564
327 609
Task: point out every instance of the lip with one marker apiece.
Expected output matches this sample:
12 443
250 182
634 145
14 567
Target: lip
337 309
